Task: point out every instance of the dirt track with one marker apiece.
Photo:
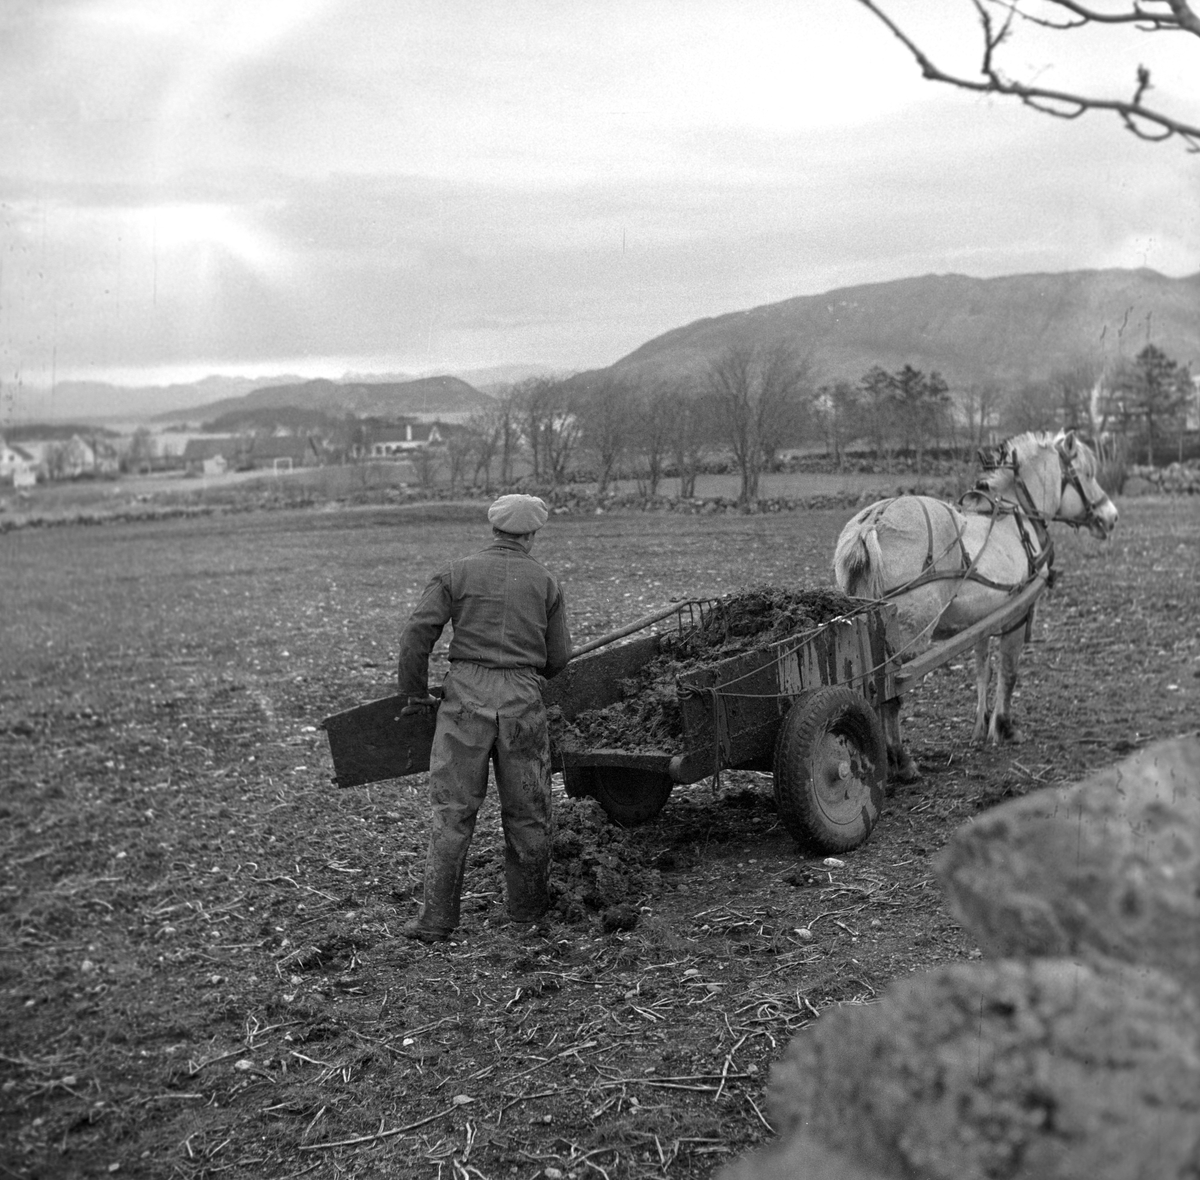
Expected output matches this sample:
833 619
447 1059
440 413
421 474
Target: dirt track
203 976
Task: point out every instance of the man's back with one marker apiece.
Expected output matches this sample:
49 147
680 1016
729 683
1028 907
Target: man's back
507 610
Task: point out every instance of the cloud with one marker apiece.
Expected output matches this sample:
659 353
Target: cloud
467 183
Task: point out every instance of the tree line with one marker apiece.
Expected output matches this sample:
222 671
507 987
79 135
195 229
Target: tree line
755 401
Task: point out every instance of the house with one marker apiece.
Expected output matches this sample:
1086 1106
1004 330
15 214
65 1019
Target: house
17 466
284 450
79 458
214 455
409 436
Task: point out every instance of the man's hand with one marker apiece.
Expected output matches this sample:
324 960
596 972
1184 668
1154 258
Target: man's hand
414 704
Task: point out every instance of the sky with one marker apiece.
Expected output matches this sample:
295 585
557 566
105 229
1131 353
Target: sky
190 187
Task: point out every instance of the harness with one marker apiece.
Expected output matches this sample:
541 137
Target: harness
967 569
1031 523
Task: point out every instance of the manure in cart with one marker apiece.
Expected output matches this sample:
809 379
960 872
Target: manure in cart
648 717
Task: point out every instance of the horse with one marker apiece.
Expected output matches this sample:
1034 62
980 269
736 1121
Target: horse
947 566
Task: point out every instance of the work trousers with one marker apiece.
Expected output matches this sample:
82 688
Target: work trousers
496 716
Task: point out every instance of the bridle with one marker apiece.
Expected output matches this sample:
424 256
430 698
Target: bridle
1007 460
1072 479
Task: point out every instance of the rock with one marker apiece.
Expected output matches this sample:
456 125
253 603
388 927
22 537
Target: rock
800 1158
1109 867
619 917
1047 1069
1136 485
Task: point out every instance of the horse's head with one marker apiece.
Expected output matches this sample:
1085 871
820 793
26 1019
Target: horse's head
1084 502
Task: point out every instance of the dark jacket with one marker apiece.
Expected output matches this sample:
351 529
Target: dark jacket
507 610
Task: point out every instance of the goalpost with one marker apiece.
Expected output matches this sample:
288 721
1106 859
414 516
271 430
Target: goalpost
284 464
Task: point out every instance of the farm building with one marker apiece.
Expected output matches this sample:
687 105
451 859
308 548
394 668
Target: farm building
409 436
239 452
284 450
81 458
213 456
17 466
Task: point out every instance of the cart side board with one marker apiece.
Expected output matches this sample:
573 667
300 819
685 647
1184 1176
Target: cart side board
732 710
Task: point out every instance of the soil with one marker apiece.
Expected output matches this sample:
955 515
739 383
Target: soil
648 717
203 971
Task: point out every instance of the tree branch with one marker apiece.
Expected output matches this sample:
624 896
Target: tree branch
1146 122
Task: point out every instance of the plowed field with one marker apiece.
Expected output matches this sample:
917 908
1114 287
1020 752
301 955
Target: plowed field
202 971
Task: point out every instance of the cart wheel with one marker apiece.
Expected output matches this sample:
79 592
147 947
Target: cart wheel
830 769
629 797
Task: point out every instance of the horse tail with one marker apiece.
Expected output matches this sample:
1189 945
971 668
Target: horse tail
858 559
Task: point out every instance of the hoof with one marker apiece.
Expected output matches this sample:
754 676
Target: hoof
1005 729
905 769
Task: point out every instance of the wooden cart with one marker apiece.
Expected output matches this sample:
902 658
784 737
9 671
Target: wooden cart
807 708
804 707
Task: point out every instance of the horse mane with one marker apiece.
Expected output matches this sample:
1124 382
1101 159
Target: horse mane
1022 448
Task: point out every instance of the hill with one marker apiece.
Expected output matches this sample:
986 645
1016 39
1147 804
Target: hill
426 395
1008 330
97 401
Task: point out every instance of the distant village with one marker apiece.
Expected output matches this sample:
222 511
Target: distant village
33 455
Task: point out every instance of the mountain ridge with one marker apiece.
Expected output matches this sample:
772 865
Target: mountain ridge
362 398
1006 329
1003 330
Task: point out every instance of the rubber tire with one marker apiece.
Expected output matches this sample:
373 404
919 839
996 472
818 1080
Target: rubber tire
629 797
830 769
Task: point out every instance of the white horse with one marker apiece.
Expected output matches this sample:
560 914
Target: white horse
946 567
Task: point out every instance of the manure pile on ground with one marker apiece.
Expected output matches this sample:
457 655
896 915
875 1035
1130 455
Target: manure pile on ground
596 872
648 716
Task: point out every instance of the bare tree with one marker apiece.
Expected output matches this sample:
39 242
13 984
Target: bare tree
427 464
689 426
533 401
1029 407
759 395
55 459
652 435
920 401
1075 386
606 413
507 415
460 446
483 434
999 18
879 406
551 426
979 405
143 450
840 407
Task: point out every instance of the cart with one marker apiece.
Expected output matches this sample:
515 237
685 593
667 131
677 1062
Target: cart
807 708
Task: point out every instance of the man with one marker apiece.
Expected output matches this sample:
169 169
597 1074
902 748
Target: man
510 630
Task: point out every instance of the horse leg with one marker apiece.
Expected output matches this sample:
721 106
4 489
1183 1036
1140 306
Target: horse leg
900 762
1002 727
983 670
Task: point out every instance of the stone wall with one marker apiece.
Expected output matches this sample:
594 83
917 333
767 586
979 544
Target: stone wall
1176 479
1073 1053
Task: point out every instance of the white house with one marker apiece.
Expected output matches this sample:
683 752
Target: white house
412 436
17 466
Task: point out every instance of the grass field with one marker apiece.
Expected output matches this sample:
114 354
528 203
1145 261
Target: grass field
201 973
69 499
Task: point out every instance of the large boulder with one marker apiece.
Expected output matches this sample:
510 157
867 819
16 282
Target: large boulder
1046 1069
1108 868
